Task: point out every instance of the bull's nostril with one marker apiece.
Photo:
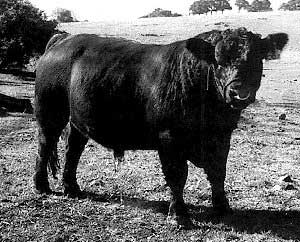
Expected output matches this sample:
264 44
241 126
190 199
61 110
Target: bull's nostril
233 93
238 97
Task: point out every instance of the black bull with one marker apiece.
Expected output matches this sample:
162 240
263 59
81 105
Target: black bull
183 99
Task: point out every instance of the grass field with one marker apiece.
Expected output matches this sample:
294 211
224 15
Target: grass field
131 205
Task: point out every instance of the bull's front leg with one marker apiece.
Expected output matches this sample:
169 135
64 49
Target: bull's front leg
175 169
215 167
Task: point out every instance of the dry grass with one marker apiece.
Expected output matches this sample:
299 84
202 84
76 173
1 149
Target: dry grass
132 204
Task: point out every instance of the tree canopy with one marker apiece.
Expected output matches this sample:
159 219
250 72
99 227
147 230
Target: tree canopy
242 4
64 15
158 12
199 7
260 6
24 32
291 5
205 6
221 5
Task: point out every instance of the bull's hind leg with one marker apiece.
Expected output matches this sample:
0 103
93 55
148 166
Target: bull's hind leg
75 144
52 115
47 156
175 169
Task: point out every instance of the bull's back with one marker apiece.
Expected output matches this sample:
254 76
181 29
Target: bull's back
98 59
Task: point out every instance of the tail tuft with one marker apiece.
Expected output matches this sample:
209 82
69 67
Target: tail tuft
53 164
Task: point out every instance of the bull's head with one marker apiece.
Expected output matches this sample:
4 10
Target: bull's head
236 58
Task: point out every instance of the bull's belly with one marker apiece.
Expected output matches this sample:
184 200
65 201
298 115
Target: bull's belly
121 135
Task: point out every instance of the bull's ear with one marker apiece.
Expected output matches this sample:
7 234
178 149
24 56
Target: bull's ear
273 44
201 49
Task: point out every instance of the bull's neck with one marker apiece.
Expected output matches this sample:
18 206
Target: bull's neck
193 71
203 94
183 93
186 79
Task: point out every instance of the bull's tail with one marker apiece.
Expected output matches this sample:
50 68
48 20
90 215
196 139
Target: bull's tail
118 158
53 163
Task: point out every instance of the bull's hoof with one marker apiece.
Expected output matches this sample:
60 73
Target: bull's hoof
42 191
41 186
74 192
221 207
180 222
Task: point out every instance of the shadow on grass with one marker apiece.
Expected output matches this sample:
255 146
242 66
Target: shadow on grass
284 224
156 206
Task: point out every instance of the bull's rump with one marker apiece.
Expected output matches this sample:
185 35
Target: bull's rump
104 85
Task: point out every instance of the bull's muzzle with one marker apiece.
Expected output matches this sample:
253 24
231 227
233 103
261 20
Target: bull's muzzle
240 98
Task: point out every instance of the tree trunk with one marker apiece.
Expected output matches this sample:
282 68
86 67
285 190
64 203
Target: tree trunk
12 104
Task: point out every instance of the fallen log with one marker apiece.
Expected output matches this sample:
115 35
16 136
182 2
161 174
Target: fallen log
12 104
18 72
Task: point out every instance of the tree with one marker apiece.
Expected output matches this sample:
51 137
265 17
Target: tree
291 5
200 7
63 15
194 8
205 6
242 4
24 32
158 12
260 6
220 5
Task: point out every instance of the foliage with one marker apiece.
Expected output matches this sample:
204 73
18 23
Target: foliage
291 5
221 5
24 32
158 12
242 4
199 7
205 6
260 6
63 15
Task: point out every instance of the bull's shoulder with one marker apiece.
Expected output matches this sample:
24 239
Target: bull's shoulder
55 39
212 36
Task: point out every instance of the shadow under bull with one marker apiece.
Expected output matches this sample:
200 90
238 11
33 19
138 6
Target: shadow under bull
284 224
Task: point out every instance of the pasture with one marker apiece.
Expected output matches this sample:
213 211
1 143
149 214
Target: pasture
132 204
